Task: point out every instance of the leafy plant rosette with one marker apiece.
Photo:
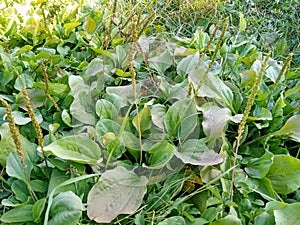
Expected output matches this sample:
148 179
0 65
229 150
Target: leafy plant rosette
177 131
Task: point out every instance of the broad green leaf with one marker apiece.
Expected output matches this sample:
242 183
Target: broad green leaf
293 93
129 139
274 205
54 89
122 73
28 82
160 154
273 70
288 215
181 119
82 107
66 118
120 56
97 67
76 148
19 188
37 98
228 220
213 87
143 119
175 220
265 189
21 119
291 128
285 174
264 219
158 112
57 177
200 39
247 78
105 126
90 25
25 48
261 113
66 209
70 26
197 221
176 91
243 23
106 110
215 119
126 92
277 114
15 168
19 214
7 146
118 191
195 152
39 185
114 147
187 64
259 167
161 62
38 209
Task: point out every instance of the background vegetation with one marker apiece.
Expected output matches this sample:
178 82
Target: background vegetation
149 112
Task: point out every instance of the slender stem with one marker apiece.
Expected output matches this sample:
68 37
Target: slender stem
246 113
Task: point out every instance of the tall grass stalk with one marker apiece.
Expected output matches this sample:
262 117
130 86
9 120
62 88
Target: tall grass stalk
46 78
247 110
218 46
35 123
133 78
17 140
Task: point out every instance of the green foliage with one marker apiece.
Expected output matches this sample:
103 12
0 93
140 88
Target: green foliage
152 144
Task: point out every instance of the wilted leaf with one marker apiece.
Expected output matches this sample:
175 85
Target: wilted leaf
66 209
195 152
285 174
118 191
77 148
